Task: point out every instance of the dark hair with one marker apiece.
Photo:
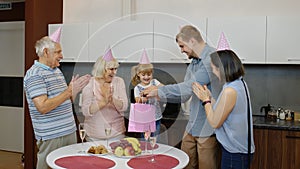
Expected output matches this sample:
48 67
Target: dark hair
229 64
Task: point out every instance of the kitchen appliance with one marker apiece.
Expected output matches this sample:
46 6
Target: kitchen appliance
288 114
266 109
297 116
281 114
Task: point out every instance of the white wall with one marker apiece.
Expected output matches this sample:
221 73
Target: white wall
106 10
12 65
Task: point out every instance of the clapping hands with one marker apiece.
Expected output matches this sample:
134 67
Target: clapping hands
107 91
201 91
78 83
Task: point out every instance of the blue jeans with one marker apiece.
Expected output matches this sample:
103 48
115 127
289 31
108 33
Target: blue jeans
234 160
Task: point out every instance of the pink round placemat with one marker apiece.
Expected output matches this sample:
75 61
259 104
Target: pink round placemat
161 162
84 162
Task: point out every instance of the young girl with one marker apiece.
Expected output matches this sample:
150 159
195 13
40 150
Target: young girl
143 78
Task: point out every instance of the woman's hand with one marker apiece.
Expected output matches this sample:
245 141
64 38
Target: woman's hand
107 92
202 92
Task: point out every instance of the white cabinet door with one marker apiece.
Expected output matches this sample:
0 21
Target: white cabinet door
12 129
74 41
283 35
166 28
246 36
126 38
12 45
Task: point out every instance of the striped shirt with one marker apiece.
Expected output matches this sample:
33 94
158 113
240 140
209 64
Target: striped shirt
43 80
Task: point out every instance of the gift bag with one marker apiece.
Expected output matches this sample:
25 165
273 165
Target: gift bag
141 117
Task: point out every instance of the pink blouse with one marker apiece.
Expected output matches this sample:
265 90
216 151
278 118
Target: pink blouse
94 123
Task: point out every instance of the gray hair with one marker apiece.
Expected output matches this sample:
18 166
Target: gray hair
43 43
101 65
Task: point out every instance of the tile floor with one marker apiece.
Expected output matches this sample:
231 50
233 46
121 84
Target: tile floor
10 160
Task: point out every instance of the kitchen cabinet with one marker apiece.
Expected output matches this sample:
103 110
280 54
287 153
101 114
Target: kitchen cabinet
255 39
276 149
85 42
283 40
291 149
127 38
166 28
74 40
246 36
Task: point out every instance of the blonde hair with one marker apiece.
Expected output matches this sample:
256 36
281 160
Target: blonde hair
101 65
187 32
140 68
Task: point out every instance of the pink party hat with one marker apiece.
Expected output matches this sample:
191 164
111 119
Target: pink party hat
223 44
144 58
108 55
56 35
180 27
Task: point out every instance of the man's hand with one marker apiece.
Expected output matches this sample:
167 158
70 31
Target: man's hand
78 83
151 91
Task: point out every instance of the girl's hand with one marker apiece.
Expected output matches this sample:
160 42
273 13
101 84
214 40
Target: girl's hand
141 99
202 92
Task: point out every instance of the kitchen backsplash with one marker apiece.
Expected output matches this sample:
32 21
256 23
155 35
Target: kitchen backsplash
278 85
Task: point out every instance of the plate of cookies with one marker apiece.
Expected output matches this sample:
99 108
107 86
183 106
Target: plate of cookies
98 150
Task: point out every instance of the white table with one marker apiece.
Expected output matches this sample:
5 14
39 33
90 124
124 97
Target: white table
121 163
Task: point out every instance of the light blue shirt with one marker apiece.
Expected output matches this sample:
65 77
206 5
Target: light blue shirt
43 80
198 70
233 134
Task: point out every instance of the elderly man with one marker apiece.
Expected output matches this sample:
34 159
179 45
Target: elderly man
50 99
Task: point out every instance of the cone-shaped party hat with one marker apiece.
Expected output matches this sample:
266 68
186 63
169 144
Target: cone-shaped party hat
144 58
56 35
180 27
108 55
223 44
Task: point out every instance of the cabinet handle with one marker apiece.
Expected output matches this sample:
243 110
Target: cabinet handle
121 59
292 137
293 59
68 59
179 59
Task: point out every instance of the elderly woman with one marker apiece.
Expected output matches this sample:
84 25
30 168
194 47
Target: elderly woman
229 116
104 100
